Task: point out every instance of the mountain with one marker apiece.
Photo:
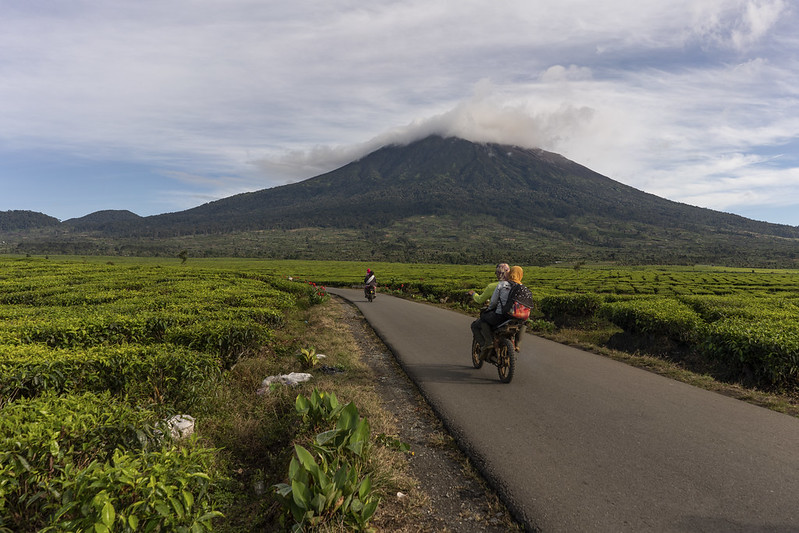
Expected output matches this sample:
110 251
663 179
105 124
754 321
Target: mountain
450 200
23 220
108 220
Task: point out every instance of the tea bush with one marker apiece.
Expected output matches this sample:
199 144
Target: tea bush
93 358
655 317
562 307
46 441
768 350
164 374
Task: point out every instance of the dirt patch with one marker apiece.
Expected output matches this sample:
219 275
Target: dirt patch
454 497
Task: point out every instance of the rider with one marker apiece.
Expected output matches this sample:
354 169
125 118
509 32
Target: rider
501 273
368 280
492 315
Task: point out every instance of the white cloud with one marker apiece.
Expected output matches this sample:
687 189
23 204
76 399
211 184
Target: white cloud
236 95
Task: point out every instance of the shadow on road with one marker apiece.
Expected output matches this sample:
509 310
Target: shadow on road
467 375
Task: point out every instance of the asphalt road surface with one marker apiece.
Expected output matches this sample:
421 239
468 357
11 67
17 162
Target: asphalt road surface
579 442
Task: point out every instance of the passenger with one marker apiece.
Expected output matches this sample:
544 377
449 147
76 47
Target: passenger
515 276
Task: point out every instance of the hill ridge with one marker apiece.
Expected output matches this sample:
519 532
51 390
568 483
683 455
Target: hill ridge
442 198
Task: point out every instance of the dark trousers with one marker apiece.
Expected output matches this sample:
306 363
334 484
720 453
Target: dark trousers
482 327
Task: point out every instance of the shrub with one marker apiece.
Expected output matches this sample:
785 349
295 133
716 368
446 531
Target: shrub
330 482
229 339
769 350
84 462
40 438
560 308
167 490
655 317
164 374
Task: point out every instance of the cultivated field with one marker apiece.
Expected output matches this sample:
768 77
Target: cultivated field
96 354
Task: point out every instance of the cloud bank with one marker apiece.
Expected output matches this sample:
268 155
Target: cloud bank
158 106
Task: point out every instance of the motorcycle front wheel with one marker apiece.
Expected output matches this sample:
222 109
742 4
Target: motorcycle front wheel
476 351
506 360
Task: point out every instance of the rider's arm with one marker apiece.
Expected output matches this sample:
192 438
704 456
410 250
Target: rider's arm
486 295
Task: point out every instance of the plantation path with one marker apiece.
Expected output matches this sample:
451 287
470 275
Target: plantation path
579 442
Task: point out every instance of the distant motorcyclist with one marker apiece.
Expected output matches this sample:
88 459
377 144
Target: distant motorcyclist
369 281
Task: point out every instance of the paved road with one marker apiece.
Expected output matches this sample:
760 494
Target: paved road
578 442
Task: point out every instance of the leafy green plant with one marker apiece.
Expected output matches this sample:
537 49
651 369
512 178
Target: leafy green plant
330 483
158 491
541 325
230 339
320 407
317 491
318 293
393 443
45 440
351 435
768 350
145 374
308 357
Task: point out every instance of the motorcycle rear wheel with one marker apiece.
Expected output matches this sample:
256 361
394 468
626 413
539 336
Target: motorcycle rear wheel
506 360
476 351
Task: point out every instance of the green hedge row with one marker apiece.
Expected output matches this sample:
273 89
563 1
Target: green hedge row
228 338
162 374
656 317
760 341
769 350
560 308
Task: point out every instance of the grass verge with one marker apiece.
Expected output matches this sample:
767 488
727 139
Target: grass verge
256 433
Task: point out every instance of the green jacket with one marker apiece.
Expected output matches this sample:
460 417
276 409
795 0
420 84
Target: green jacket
486 295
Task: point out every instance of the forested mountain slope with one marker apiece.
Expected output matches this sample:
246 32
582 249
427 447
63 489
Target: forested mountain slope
448 199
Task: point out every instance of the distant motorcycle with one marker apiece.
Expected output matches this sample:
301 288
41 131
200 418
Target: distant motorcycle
503 351
369 292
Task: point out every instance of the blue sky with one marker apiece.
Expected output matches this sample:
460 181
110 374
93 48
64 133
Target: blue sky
159 106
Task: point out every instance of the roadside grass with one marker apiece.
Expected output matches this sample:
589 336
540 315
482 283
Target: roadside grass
256 433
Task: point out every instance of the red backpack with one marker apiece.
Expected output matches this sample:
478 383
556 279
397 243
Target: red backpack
519 303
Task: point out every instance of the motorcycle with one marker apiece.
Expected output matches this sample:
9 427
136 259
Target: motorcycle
502 353
369 292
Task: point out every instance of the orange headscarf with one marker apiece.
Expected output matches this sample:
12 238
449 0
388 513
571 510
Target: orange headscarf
515 274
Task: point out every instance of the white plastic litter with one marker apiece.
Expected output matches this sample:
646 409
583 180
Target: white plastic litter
181 426
285 379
